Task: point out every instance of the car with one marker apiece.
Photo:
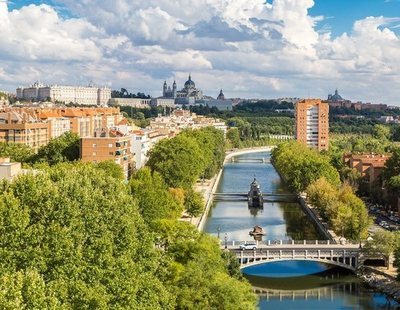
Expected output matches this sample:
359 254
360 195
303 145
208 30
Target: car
248 246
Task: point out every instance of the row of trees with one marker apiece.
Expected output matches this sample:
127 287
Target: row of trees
76 236
189 156
307 170
301 166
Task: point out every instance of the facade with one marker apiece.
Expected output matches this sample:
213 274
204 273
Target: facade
369 166
131 102
113 146
23 128
140 146
312 123
163 102
58 93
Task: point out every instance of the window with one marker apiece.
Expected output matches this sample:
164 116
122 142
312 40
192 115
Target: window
94 144
94 153
111 153
110 145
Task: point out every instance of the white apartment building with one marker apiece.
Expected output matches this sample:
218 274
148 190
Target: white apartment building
140 146
76 94
59 126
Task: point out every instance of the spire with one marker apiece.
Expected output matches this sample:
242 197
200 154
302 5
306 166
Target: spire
190 78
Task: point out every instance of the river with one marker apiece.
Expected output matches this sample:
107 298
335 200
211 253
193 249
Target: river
288 284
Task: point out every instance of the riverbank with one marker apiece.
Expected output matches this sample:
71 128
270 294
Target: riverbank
381 281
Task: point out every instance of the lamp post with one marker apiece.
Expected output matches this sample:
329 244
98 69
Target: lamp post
226 240
218 230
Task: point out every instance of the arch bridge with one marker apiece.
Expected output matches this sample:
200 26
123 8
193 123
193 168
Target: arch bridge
324 251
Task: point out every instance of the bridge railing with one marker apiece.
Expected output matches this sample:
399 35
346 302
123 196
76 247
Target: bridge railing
231 243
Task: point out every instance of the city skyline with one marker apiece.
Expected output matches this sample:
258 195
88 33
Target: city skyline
251 49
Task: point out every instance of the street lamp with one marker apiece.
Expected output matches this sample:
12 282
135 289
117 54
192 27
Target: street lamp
218 230
226 240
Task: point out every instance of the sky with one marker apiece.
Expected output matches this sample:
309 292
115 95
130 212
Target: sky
249 48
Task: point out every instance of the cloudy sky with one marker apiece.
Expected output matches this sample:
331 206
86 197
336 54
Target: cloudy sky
249 48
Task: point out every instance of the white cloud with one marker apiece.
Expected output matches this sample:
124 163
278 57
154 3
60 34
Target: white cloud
249 48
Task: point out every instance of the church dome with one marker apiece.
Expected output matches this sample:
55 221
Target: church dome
189 82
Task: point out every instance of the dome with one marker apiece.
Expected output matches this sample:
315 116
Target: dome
189 82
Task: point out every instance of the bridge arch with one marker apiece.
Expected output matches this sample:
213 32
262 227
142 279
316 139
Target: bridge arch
251 263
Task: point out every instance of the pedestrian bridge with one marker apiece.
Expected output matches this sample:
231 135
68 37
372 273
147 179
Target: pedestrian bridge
323 251
263 160
267 197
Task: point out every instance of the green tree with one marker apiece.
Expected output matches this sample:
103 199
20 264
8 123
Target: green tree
233 137
381 132
26 290
194 203
111 168
82 232
178 160
60 149
155 200
16 152
383 243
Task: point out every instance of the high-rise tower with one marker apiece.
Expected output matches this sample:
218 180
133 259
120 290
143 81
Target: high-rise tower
312 123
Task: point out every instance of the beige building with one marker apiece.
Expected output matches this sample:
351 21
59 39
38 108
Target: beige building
131 102
23 128
76 94
312 123
111 146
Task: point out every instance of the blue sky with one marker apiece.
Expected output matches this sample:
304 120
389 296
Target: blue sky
250 49
341 14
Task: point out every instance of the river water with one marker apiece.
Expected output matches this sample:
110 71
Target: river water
288 284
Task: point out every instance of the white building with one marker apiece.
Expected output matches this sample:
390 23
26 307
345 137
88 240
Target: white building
76 94
59 126
163 102
130 102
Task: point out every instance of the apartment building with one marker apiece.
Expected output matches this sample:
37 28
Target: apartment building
369 166
312 123
23 128
111 145
130 102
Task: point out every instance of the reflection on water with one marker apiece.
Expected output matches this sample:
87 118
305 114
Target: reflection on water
290 284
311 285
281 221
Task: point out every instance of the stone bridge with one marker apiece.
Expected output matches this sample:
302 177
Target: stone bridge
323 251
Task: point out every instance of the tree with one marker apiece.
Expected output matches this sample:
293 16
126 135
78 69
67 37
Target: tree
60 149
178 160
26 290
383 243
154 198
233 137
82 232
111 168
194 203
381 132
16 152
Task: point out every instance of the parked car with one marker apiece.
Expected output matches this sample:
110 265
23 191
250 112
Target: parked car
248 246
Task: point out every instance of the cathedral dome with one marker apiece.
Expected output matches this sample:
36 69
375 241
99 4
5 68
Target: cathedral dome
189 83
